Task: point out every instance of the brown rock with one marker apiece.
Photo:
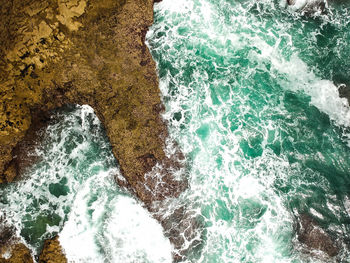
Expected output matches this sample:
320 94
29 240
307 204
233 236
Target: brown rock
19 254
54 53
11 250
105 64
314 237
52 252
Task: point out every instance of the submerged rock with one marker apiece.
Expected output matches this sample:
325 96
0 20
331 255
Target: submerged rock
310 233
344 91
308 6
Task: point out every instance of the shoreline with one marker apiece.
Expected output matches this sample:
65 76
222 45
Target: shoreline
77 52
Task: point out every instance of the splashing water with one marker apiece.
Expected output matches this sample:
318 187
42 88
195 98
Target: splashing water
71 191
250 96
250 89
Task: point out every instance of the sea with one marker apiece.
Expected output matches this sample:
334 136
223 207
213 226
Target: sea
255 95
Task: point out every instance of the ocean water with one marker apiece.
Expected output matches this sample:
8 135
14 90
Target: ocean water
251 96
71 192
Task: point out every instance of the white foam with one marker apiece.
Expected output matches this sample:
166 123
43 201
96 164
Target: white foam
104 225
229 192
324 94
113 228
134 236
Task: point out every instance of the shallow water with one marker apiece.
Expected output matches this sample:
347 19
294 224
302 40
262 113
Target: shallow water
71 191
250 89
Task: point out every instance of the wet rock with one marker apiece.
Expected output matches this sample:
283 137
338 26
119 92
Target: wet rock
54 53
344 91
6 235
308 6
310 233
17 253
52 252
11 249
184 230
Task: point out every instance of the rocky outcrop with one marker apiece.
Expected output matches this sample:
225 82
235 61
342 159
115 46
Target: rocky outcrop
11 248
18 253
310 233
308 7
52 252
57 52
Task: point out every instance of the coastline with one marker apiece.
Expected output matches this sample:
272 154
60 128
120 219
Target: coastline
77 52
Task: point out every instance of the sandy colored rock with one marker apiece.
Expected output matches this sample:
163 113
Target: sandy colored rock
9 174
105 64
19 254
68 10
57 52
52 252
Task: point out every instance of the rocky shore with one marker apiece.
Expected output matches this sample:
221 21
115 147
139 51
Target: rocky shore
58 52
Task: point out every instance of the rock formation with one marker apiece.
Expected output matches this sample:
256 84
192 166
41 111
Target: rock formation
61 52
52 252
57 52
314 237
19 253
308 6
11 248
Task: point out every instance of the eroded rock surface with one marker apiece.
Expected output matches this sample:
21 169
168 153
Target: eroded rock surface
17 253
57 52
314 237
52 252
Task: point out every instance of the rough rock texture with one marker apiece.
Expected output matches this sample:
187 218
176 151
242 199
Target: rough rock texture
52 252
11 248
75 51
57 52
314 237
19 254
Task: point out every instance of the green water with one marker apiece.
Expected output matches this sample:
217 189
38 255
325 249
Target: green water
71 191
250 89
74 148
250 96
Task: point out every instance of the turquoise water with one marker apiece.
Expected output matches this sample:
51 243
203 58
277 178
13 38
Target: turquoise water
72 151
250 89
71 192
250 96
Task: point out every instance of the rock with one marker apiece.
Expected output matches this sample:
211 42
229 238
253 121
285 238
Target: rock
10 174
11 248
182 227
62 52
112 71
52 252
17 253
344 91
68 10
13 251
314 237
308 6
